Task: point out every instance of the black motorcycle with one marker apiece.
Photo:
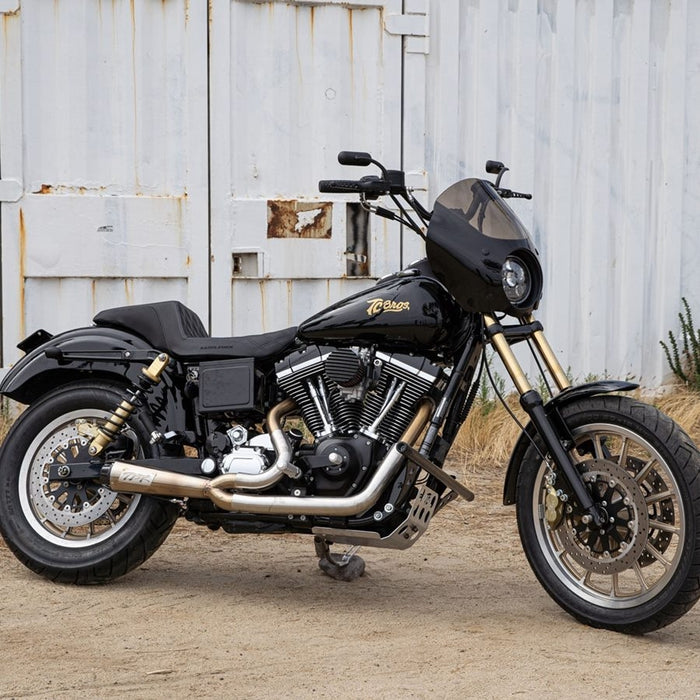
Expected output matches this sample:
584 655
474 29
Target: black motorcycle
340 427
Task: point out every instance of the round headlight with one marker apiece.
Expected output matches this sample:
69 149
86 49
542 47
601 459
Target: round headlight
515 279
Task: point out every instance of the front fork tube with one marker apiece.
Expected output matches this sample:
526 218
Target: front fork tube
531 402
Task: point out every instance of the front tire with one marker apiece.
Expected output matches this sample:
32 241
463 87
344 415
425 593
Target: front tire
641 571
75 532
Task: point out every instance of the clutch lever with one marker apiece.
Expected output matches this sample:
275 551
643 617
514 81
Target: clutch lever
510 194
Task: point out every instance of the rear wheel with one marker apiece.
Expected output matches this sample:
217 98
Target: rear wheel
641 569
64 528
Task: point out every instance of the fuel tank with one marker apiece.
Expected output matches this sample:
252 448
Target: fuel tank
407 311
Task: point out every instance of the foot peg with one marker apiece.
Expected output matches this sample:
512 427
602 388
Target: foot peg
341 567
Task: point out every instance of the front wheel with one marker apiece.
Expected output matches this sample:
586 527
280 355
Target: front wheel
66 529
641 570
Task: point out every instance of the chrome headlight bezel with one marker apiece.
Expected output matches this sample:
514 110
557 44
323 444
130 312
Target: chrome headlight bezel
521 280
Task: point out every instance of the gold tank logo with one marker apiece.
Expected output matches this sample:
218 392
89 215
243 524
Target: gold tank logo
376 306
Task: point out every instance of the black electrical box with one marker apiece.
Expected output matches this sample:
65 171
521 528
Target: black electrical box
227 385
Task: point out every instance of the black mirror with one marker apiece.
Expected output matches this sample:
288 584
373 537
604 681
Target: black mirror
354 158
494 167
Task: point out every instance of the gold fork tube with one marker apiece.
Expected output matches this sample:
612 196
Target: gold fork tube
545 349
508 358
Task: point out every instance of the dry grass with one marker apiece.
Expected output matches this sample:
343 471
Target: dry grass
487 437
683 405
489 433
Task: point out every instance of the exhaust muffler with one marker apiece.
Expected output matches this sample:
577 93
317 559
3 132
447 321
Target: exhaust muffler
130 477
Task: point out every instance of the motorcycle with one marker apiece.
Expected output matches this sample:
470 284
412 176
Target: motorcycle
340 428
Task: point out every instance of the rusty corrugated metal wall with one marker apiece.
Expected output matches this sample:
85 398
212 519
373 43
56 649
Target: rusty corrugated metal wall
171 149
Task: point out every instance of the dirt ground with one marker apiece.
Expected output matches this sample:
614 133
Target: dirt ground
212 615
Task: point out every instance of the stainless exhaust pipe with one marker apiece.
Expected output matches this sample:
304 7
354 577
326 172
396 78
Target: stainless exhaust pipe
283 463
311 505
129 477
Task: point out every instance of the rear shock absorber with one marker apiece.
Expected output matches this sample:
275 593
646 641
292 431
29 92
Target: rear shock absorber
149 379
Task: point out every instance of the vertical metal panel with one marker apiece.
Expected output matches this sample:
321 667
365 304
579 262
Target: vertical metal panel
112 154
291 85
11 138
108 163
594 106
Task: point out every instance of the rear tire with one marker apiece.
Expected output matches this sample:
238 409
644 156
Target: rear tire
75 532
642 570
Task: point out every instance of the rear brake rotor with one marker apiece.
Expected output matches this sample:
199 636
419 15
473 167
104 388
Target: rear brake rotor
61 502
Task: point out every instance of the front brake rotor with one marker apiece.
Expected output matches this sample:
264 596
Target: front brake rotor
616 545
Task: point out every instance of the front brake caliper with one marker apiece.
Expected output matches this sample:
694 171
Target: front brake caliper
553 507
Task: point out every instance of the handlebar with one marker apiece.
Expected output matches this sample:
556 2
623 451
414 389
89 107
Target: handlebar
339 186
370 185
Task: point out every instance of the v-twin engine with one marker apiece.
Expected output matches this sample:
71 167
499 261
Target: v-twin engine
347 391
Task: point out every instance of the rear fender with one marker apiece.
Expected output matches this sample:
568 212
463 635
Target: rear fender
551 407
92 353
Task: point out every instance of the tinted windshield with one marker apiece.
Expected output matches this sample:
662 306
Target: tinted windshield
475 204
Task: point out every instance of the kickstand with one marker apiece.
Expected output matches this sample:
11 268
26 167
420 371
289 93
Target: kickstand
342 567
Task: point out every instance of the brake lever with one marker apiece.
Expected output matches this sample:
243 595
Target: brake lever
510 194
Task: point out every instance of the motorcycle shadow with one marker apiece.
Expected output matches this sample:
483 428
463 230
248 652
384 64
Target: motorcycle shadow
442 574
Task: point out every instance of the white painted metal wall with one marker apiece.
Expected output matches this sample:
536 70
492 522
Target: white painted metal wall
292 84
595 106
144 146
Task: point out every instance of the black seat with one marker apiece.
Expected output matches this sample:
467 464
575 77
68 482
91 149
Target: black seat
172 327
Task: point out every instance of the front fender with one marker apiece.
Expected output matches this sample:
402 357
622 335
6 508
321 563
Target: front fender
562 399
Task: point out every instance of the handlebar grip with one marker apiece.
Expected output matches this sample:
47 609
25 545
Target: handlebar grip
340 186
354 158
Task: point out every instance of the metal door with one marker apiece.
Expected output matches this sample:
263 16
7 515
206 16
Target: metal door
293 83
159 150
103 157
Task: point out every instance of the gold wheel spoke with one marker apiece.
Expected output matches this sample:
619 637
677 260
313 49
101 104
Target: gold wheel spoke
598 446
640 576
644 471
656 497
664 527
657 555
623 452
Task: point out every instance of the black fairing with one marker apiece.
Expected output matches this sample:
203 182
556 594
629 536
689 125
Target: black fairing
409 311
471 233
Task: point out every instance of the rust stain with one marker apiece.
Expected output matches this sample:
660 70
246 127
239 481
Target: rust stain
262 305
188 261
69 189
93 294
290 218
6 19
22 266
